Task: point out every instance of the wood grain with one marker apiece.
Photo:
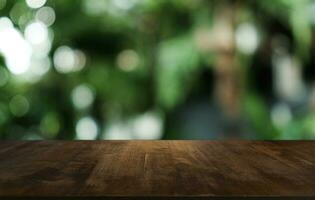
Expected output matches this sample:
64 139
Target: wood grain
170 169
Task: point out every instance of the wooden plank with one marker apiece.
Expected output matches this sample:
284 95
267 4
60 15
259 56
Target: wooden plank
157 169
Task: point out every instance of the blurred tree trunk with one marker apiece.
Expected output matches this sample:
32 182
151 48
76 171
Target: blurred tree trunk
227 69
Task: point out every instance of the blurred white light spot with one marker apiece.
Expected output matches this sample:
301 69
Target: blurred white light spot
5 23
281 115
36 33
148 126
35 3
67 60
86 129
4 77
128 60
64 59
40 66
46 15
95 7
118 131
17 52
124 4
80 60
247 38
19 105
82 96
42 50
287 73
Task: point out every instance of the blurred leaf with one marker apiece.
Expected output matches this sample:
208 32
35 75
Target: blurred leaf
301 27
178 60
257 112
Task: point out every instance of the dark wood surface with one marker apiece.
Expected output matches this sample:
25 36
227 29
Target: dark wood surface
193 169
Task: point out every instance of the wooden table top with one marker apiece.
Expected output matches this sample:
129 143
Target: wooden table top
193 169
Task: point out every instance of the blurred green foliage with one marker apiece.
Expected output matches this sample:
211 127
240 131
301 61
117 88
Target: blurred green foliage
147 69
